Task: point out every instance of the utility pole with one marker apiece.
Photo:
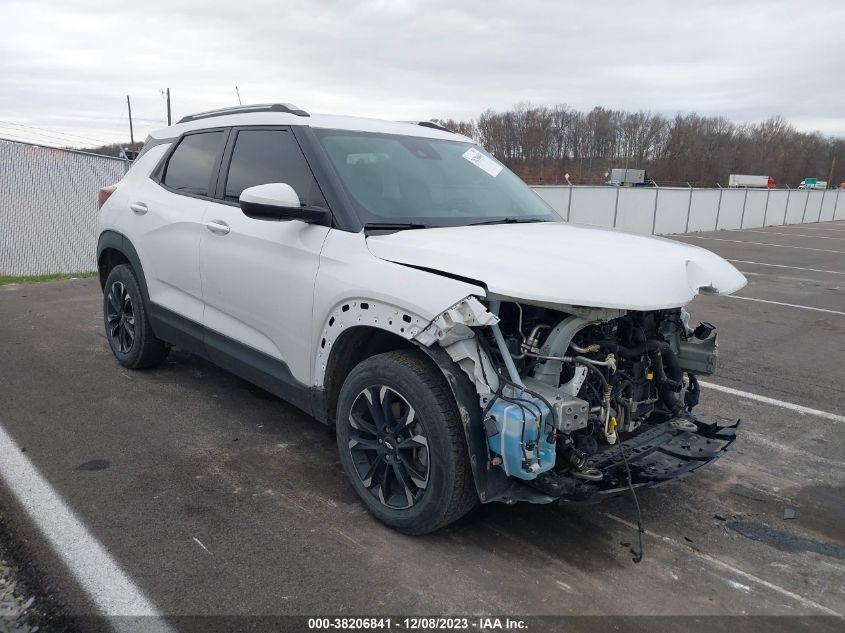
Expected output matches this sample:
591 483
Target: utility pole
168 107
830 175
131 131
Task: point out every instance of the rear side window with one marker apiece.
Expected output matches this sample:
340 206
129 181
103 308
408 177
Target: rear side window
264 156
190 166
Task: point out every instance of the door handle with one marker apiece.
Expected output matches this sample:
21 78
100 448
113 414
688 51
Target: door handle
138 208
218 227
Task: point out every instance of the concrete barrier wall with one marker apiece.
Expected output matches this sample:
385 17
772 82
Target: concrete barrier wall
669 210
827 209
639 209
776 208
704 210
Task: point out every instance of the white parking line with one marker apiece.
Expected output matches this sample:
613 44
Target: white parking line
788 305
720 563
816 228
777 403
111 590
721 239
812 270
818 237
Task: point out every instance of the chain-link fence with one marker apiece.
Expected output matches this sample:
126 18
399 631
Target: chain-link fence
48 208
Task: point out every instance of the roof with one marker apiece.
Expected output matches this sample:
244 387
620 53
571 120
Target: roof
320 121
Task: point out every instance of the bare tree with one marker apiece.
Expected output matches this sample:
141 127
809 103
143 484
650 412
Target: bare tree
543 143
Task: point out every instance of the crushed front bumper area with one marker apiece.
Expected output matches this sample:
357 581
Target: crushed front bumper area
658 453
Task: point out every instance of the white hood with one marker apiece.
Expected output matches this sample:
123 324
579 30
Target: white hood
559 263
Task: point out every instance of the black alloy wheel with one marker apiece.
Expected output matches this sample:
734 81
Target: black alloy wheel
402 443
128 330
120 318
388 447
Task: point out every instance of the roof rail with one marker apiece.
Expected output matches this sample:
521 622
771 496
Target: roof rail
431 124
289 108
434 126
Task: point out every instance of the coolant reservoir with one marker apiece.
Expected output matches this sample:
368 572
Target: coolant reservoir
519 437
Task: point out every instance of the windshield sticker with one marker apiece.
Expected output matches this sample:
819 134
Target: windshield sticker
483 162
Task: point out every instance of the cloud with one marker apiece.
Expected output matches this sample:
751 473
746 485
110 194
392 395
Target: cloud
67 65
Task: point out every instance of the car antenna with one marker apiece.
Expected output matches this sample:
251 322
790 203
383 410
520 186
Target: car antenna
636 554
238 92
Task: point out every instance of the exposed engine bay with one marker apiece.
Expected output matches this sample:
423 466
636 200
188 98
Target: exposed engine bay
593 402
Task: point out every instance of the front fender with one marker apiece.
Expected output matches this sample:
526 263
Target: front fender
356 312
354 288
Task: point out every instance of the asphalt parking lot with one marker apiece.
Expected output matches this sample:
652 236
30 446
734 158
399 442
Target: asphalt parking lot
215 498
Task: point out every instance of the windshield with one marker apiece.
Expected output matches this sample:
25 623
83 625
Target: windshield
423 181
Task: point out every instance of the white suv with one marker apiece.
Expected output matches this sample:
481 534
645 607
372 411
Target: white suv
398 283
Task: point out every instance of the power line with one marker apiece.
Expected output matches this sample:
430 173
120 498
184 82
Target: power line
54 132
8 136
70 138
5 135
37 137
72 150
122 119
40 136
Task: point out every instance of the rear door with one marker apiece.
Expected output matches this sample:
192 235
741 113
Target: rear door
168 221
258 274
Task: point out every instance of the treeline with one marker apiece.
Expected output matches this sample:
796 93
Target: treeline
541 144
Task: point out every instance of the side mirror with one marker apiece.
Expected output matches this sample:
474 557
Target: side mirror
279 201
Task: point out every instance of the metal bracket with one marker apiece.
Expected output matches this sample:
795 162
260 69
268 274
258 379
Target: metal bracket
452 329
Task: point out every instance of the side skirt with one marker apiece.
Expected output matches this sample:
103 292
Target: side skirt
271 374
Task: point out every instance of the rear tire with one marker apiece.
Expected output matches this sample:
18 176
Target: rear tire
402 443
128 329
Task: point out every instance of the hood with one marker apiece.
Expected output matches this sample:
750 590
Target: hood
560 263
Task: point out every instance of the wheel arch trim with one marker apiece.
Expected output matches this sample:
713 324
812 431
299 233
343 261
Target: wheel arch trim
119 242
360 311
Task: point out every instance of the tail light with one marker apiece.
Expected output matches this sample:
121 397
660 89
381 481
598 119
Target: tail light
103 195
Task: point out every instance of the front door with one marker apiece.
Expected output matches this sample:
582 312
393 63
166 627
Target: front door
258 275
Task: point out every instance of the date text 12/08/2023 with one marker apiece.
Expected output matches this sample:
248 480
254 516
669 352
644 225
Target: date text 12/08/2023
485 623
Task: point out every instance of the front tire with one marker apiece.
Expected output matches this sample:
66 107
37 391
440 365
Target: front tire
402 444
128 329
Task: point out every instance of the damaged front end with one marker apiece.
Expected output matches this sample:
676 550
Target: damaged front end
574 404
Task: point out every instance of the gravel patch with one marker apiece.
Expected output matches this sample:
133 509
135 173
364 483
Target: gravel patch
27 603
14 604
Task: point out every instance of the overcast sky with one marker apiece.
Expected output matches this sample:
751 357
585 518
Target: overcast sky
66 66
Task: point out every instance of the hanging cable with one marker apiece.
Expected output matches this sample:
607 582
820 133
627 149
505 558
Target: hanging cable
636 554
